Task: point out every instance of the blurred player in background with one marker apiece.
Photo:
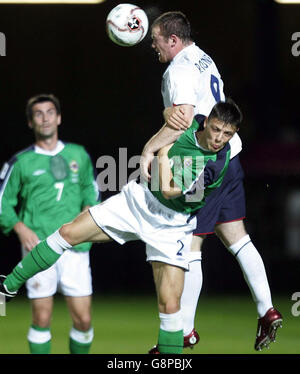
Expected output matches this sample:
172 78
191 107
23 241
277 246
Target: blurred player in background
162 217
192 85
51 182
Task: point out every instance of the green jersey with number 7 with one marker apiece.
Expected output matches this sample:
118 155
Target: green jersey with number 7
45 189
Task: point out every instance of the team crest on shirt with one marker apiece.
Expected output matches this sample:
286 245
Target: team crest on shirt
74 166
187 162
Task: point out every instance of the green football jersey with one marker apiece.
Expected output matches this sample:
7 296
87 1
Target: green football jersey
195 170
44 189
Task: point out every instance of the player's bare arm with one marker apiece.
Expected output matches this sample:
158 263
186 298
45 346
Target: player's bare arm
179 117
168 188
165 136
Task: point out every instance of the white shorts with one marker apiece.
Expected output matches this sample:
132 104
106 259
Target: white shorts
135 214
70 275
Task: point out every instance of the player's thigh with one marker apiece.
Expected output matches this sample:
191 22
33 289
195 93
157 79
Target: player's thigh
230 232
42 311
169 282
83 229
197 242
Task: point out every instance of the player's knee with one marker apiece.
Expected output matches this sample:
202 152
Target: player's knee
197 243
68 232
82 322
169 306
42 319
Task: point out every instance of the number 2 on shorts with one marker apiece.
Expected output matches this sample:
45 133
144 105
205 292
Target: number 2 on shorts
181 248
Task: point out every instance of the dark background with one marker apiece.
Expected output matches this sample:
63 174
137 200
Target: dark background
111 99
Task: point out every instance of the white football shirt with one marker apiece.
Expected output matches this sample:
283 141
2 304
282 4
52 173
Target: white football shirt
193 78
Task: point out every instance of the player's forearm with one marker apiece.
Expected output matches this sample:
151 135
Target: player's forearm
163 137
167 186
18 227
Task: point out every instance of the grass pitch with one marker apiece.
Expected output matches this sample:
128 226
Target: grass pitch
129 325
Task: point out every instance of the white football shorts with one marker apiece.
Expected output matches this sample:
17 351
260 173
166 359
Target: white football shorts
70 276
135 214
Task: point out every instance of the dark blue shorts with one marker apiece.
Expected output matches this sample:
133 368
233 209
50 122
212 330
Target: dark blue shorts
226 203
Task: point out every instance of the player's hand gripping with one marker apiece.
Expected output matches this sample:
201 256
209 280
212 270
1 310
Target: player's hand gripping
27 237
177 117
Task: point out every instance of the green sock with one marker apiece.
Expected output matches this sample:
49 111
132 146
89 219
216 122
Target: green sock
40 258
80 341
79 348
170 342
39 333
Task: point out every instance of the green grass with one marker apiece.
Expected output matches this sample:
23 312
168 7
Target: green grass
129 325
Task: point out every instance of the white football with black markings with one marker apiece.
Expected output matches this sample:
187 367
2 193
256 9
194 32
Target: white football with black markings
127 25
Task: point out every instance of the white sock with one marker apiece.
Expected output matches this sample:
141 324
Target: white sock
38 336
171 322
83 337
192 287
254 273
58 243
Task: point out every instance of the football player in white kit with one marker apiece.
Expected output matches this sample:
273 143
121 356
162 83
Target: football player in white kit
192 85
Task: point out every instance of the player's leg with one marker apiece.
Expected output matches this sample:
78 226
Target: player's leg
235 238
40 290
39 335
75 282
47 252
206 219
239 243
230 229
191 292
82 333
169 281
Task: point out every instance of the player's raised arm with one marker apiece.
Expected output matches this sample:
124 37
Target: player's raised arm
165 136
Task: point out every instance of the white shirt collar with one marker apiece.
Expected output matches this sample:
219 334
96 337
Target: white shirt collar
182 52
59 147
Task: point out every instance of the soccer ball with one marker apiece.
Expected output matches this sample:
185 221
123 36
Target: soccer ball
127 25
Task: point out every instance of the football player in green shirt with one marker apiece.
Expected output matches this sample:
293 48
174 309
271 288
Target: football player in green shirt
51 182
164 218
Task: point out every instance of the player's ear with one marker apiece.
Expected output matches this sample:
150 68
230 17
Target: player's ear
173 40
30 124
205 122
58 119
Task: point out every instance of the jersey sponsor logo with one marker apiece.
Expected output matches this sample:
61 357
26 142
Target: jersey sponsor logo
39 172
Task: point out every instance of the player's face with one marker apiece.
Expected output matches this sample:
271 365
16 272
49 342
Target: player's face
44 120
161 45
216 134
